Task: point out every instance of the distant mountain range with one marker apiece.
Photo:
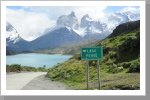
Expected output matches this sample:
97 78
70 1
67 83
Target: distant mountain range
68 30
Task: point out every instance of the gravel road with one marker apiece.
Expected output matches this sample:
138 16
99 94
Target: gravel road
32 81
43 83
18 80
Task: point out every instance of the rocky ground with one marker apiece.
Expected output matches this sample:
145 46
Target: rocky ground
43 83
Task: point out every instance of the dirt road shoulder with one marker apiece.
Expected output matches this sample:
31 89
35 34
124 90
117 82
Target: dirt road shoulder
43 83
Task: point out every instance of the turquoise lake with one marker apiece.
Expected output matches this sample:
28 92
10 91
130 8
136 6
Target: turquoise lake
37 60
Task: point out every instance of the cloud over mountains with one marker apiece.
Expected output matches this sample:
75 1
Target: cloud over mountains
31 22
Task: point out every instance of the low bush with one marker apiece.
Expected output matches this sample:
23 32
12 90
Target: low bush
41 69
126 64
19 68
13 68
29 69
135 66
76 56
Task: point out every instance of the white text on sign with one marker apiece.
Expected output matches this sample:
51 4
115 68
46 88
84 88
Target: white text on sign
90 51
91 55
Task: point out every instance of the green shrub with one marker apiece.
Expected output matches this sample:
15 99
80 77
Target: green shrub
76 56
92 63
41 69
135 66
29 69
8 69
106 49
13 68
126 64
112 70
18 68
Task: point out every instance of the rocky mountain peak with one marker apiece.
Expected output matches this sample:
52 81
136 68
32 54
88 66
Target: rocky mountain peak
11 33
85 20
72 14
68 21
13 39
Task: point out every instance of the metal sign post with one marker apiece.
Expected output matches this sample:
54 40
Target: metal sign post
87 73
98 74
92 53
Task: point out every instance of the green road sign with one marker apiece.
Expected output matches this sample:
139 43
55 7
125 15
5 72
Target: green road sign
91 53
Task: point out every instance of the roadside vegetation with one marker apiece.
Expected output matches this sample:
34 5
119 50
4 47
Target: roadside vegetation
18 68
119 68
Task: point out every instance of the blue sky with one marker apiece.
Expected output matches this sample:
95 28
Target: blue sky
108 9
18 8
14 7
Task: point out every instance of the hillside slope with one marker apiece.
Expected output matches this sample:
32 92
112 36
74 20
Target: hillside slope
125 28
119 68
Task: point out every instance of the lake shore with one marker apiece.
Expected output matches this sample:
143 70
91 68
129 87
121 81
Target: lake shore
37 60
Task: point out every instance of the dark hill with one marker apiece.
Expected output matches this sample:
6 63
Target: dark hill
125 28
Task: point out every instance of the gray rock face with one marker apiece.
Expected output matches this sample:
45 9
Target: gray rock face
68 21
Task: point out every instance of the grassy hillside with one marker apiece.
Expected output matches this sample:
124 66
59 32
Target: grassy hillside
119 68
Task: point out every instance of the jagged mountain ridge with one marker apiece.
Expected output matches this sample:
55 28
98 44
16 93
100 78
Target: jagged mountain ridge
67 30
12 35
87 28
93 28
68 21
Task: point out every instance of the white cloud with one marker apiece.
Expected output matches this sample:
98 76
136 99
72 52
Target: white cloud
31 21
95 12
28 24
55 11
131 9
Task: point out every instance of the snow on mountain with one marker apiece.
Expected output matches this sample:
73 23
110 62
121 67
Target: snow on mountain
92 28
13 40
68 21
86 27
11 34
132 16
85 20
117 18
